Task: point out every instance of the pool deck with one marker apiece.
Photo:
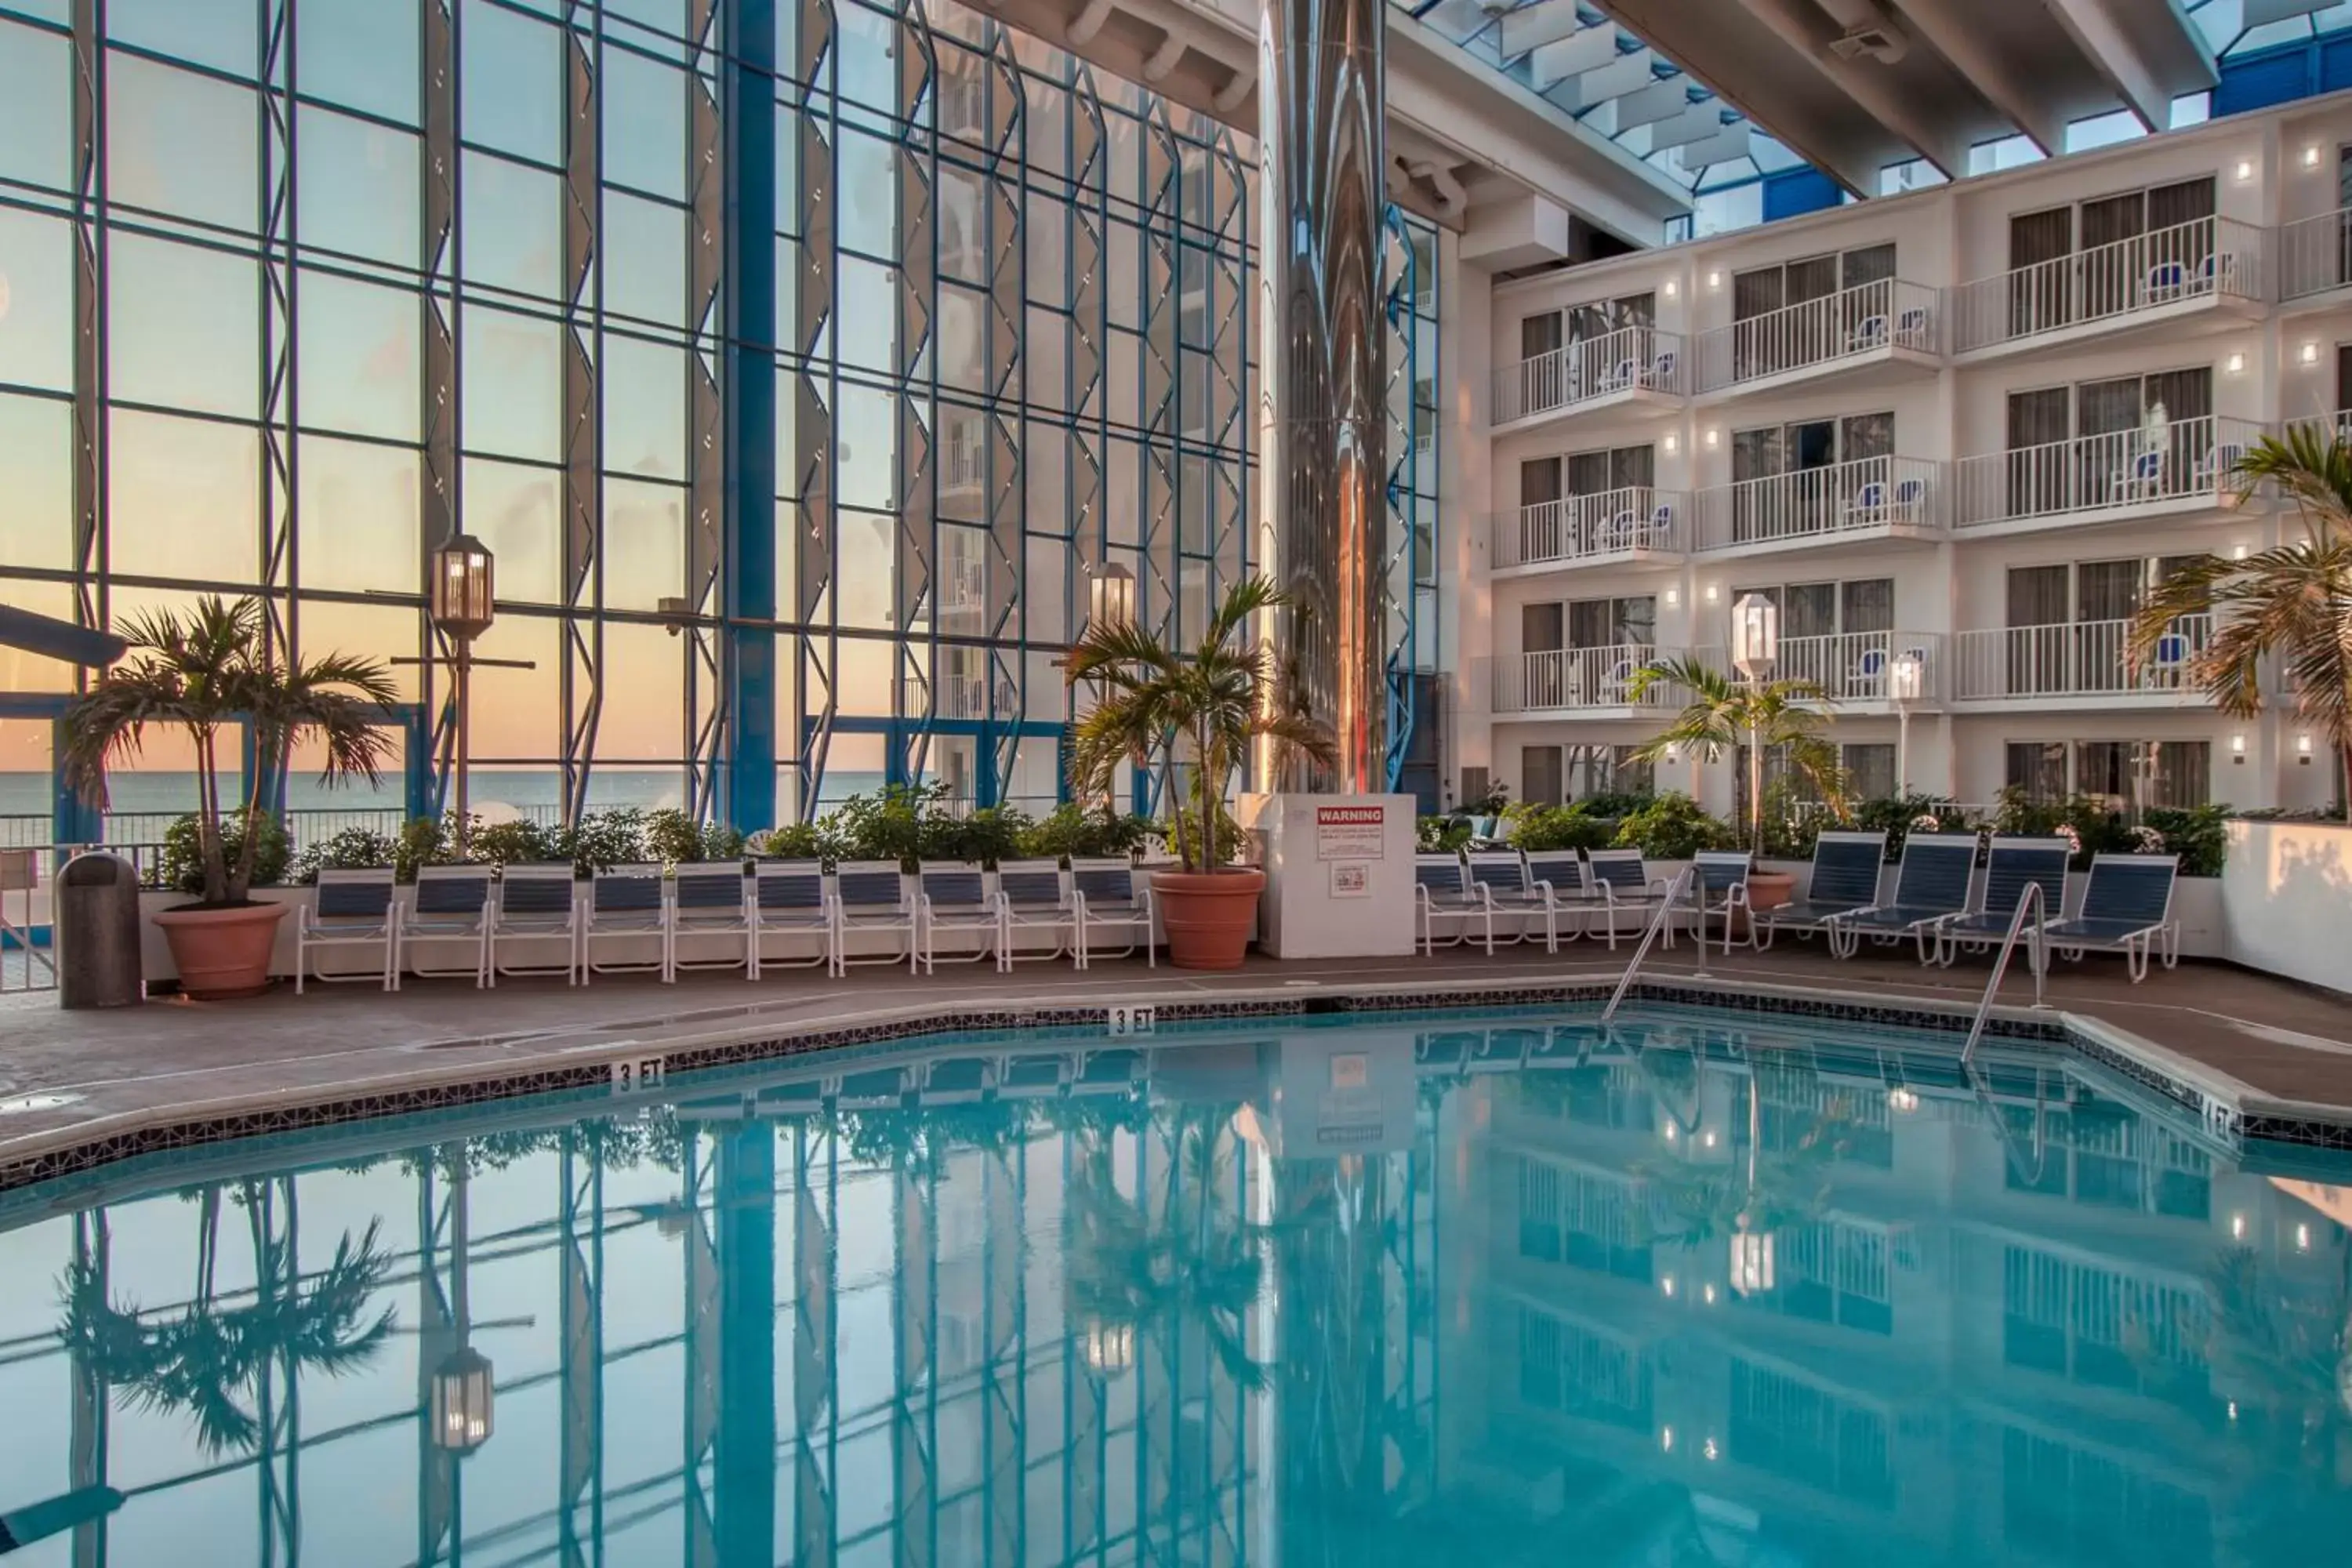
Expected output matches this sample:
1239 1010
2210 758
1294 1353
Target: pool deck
172 1058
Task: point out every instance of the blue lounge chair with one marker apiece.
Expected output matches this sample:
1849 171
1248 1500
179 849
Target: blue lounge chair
2126 909
1722 878
1622 878
1441 892
1845 882
1562 874
1931 887
789 897
1499 880
2014 866
358 908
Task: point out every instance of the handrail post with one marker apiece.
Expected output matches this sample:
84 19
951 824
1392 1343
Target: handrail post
2038 958
1657 923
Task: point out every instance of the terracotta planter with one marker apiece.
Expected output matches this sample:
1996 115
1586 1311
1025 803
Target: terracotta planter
222 954
1765 891
1207 916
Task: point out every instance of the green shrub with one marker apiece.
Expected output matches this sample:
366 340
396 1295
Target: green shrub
792 841
1673 826
989 835
1440 835
1555 827
2199 836
1075 832
517 843
1615 804
600 840
2095 829
886 826
1893 815
1493 803
672 837
181 866
352 850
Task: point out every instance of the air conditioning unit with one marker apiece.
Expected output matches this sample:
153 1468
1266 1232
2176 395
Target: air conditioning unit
1884 45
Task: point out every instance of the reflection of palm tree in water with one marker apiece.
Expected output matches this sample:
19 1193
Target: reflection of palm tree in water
1183 1258
2286 1369
211 1362
1775 1192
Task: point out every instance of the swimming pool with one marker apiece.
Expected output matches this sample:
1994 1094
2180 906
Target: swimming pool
1444 1289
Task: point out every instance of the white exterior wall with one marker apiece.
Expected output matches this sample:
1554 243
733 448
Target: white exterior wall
2270 363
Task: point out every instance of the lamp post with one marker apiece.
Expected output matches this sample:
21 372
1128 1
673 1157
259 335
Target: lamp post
463 605
1755 650
464 1389
1905 680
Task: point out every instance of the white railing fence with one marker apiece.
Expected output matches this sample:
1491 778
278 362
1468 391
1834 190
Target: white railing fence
2076 658
1611 522
2184 459
2315 254
1839 498
1573 678
1627 360
1890 313
2198 259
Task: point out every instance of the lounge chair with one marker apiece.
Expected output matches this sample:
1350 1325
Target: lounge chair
538 904
1033 896
790 896
1622 880
1499 877
709 899
1441 892
1563 875
2126 909
1721 878
627 902
451 904
1845 882
2013 865
353 908
871 896
955 899
1931 887
1110 895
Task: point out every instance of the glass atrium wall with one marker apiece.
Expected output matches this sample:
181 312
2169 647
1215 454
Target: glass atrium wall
799 361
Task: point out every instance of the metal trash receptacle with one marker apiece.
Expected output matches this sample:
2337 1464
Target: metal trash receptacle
97 932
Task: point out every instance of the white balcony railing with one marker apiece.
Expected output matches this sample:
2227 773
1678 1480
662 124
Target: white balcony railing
2076 658
1574 678
2315 254
1838 498
1631 359
1889 313
2185 460
1854 666
2203 258
1613 523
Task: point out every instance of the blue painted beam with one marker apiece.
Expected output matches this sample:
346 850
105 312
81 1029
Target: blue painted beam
748 646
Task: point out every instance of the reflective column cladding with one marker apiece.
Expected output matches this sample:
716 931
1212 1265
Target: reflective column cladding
1319 95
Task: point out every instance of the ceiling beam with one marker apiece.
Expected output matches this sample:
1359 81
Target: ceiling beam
2105 45
1955 37
1811 33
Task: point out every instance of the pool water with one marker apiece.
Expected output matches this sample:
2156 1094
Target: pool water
1464 1290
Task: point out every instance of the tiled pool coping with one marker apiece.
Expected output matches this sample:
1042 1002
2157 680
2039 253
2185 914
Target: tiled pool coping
2225 1106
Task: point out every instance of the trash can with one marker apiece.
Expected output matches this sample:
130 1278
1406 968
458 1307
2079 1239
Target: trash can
97 933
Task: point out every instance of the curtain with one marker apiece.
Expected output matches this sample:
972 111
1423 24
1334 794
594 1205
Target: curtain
1870 770
1755 454
2037 596
2038 465
1539 775
2103 769
2037 767
2185 394
1539 628
2037 419
1587 473
1589 623
1538 480
2044 299
1809 610
2113 219
2183 778
1867 606
1538 334
1755 293
2343 359
1634 468
2170 205
2040 237
2108 590
1874 265
1815 278
1863 436
1637 311
2107 407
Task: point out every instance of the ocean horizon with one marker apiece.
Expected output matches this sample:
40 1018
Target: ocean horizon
493 792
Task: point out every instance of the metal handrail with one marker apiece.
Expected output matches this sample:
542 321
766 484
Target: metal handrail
2033 900
1687 877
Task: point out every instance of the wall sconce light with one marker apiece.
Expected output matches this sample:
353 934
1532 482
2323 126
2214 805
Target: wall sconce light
2303 751
1713 593
2235 364
1673 443
2309 353
2238 749
2245 171
1902 1100
2237 552
2311 156
1714 438
2303 1238
1673 758
1715 280
1673 597
1672 288
2237 1228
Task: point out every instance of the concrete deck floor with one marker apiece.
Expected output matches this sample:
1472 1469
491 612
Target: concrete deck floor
109 1069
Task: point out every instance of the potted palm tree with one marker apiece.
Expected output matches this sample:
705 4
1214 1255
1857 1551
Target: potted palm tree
1194 712
1721 713
2291 603
204 673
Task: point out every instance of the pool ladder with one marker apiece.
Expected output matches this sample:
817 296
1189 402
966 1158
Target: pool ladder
2039 960
1685 880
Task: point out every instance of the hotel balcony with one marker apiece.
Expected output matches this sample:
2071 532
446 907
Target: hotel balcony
1637 526
2077 664
1868 336
1868 498
1854 668
1636 371
2314 259
1578 683
2173 470
2207 273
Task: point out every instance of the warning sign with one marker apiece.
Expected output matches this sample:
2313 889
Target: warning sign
1350 832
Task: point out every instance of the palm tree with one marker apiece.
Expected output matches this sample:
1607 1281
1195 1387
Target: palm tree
205 672
1205 708
2293 603
1784 715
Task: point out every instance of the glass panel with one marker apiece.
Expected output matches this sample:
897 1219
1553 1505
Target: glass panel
357 357
182 498
2103 769
1635 619
868 544
2183 777
1632 468
644 408
2182 394
1539 628
2037 767
36 300
869 207
1867 606
645 259
1538 334
514 510
36 484
1809 610
357 524
2168 205
183 326
1870 771
644 112
518 713
1538 482
361 53
510 83
1587 473
1874 265
2037 419
36 84
2040 237
2037 596
2105 407
512 226
643 687
513 385
1754 294
645 544
1861 435
2108 590
181 144
866 472
357 185
1539 775
222 34
1815 278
